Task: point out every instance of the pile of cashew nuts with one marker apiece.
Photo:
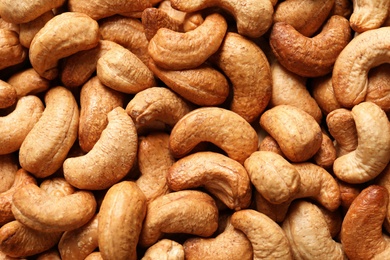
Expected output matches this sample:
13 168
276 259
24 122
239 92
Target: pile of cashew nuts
202 129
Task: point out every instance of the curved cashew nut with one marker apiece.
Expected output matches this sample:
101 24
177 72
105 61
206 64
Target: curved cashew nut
176 51
110 159
368 15
27 82
223 177
11 51
188 211
165 249
248 69
222 127
310 57
267 237
359 165
365 51
253 18
308 233
54 41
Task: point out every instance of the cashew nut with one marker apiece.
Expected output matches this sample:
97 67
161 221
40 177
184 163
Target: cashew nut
11 51
165 249
28 82
94 256
8 95
327 153
28 30
378 90
268 143
154 18
322 91
9 165
368 15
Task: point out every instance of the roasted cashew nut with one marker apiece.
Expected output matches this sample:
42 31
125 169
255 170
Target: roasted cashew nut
368 15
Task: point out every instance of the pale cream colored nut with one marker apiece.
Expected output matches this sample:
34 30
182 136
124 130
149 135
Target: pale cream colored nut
26 11
165 249
297 133
203 85
156 106
94 256
220 175
248 69
307 231
21 179
154 18
378 89
28 82
327 153
101 8
177 51
62 36
368 15
154 160
28 30
8 95
253 18
231 243
373 131
222 127
43 211
188 211
56 129
110 159
80 242
124 203
290 89
96 100
16 126
274 177
9 165
305 16
122 70
11 51
18 240
322 91
365 51
310 57
268 239
268 143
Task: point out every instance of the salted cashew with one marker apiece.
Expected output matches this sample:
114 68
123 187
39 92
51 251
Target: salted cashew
307 231
123 203
28 82
62 36
56 128
176 50
327 153
248 69
222 127
188 211
368 15
253 18
8 95
297 133
378 90
223 177
165 249
267 237
310 57
349 76
203 85
9 165
28 30
110 159
16 126
11 51
322 91
359 165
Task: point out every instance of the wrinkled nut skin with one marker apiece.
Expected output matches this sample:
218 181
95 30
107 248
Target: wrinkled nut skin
203 85
248 69
62 36
16 126
110 159
378 90
267 237
165 249
322 92
188 211
28 82
177 51
223 177
327 153
297 133
11 51
28 30
368 15
222 127
123 203
373 131
8 167
273 176
96 101
56 129
310 57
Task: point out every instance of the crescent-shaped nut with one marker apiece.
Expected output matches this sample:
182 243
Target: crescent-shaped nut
248 69
41 211
110 159
28 82
176 51
373 131
223 177
297 133
349 77
222 127
62 36
368 15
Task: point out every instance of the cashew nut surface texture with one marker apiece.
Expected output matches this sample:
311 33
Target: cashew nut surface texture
9 165
372 153
165 249
11 51
222 127
8 95
378 90
28 82
28 30
110 159
368 15
365 51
